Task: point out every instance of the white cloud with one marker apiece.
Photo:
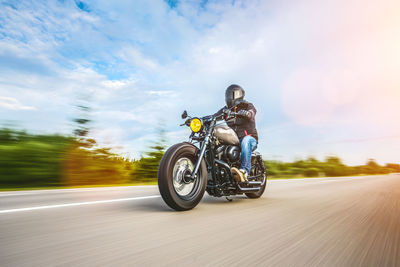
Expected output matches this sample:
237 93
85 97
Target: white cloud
161 93
133 56
13 104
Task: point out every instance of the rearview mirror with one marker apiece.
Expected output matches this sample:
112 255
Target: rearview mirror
184 115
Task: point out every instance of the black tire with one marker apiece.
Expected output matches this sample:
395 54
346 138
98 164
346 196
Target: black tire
258 170
165 177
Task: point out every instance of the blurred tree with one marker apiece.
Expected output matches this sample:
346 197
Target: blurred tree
372 167
31 160
86 163
28 160
83 126
98 166
272 167
311 172
333 160
393 167
333 166
147 167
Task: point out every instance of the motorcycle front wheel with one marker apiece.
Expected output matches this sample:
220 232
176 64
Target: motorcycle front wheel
175 188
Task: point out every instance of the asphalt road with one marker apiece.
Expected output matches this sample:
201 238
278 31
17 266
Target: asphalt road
300 222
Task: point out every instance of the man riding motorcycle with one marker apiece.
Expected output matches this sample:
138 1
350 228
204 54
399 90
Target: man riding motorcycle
217 158
245 127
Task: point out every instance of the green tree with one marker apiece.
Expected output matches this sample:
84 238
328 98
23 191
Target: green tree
333 166
311 172
86 163
146 168
28 160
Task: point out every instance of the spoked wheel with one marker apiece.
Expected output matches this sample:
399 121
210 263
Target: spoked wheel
258 170
176 187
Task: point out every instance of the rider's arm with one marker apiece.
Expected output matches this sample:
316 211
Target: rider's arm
249 112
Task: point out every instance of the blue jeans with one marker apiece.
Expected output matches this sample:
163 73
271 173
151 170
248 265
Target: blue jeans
248 144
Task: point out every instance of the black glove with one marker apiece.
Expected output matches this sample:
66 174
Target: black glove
244 113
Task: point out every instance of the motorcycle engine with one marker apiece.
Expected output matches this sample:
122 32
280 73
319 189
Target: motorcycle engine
229 153
232 153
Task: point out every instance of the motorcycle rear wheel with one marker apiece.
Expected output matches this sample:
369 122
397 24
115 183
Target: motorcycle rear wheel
179 193
258 170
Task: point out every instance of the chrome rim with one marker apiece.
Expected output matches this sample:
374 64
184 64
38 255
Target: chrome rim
182 167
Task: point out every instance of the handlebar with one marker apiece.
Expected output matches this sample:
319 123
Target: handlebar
226 114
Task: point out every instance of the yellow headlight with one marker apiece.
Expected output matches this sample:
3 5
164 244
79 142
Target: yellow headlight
195 125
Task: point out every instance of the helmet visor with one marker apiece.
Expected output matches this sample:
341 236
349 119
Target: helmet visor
232 95
229 98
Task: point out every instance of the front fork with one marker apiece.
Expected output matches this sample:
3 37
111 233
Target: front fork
202 151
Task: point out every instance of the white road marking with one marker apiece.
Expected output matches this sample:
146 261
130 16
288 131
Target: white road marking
76 204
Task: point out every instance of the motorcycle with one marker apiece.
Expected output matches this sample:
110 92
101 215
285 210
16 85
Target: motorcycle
186 171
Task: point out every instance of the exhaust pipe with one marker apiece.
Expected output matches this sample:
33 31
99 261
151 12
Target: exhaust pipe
248 190
259 183
255 183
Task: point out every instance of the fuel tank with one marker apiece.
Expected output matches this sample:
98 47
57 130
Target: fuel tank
226 135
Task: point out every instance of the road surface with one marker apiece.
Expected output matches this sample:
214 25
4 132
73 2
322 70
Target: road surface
301 222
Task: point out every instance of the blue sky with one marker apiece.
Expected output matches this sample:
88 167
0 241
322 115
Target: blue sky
323 76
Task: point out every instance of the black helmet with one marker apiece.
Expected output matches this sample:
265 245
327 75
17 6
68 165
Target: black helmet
233 93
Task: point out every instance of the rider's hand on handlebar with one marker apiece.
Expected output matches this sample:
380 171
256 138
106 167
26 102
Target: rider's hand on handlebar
244 113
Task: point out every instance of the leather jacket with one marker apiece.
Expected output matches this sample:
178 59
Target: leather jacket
243 125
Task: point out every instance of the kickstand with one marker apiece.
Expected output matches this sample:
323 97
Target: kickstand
229 199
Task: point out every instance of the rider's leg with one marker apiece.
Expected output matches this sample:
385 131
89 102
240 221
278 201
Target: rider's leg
248 144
